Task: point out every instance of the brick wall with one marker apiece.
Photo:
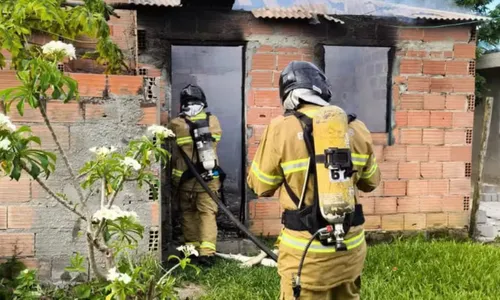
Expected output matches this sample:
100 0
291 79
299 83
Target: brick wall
425 183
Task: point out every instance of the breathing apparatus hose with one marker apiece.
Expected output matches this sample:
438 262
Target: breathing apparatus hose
233 219
296 284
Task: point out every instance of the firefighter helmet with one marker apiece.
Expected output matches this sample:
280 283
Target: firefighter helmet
193 93
304 75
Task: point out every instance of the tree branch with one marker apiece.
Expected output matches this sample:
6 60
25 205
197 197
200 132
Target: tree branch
93 264
59 199
76 185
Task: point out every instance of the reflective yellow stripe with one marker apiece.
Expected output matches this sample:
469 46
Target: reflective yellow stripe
184 140
359 159
216 137
316 246
295 165
311 112
196 244
208 245
200 116
371 171
177 173
265 178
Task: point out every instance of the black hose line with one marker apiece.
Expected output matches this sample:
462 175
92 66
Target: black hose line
242 227
296 284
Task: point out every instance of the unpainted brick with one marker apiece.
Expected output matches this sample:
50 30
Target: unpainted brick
418 187
373 222
434 67
417 153
456 102
464 51
285 59
148 116
433 137
378 150
368 204
454 137
459 34
453 203
460 186
440 85
434 102
267 209
439 153
461 153
12 191
463 119
414 221
410 66
262 79
389 170
409 170
395 153
453 169
48 143
441 119
385 205
457 67
439 187
393 222
395 188
20 217
17 244
411 136
412 101
458 220
431 170
125 85
431 203
57 112
419 84
418 118
401 118
3 217
411 34
436 220
463 85
268 97
90 85
264 61
155 213
408 204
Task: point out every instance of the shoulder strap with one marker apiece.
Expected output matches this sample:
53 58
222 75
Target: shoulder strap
306 124
351 117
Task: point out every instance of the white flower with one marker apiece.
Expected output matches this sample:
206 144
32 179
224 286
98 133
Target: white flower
105 213
58 46
188 249
114 213
132 163
124 278
113 274
4 144
6 124
161 131
102 151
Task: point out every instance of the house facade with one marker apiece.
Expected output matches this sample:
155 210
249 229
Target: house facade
407 72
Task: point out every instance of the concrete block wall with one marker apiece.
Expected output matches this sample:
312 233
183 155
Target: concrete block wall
426 171
112 111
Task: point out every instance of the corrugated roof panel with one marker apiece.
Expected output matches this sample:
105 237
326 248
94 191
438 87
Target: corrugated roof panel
167 3
299 8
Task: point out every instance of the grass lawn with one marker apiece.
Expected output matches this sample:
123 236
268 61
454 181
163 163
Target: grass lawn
410 269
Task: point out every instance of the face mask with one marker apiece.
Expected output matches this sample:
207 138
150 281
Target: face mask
191 110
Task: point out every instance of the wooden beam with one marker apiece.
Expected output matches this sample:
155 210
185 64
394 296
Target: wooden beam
485 134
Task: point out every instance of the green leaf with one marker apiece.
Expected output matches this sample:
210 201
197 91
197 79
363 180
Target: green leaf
35 170
20 107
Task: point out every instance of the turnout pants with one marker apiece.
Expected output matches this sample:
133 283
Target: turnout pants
198 221
344 291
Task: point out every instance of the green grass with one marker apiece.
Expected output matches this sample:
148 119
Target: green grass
410 269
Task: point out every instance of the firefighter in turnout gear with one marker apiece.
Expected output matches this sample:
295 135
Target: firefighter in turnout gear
314 153
197 134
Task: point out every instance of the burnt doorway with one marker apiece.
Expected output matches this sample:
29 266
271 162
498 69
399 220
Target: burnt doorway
218 70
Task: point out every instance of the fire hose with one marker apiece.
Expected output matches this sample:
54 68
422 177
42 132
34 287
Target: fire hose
233 219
